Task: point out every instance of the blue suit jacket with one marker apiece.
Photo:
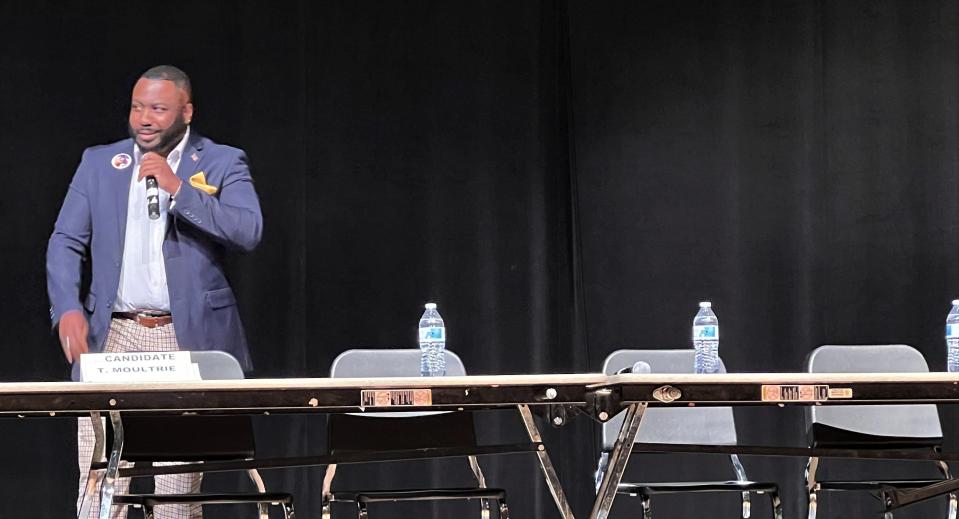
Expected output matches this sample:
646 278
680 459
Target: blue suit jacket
201 229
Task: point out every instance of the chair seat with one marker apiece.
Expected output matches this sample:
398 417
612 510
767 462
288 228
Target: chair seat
186 438
354 434
825 436
696 486
212 499
876 485
436 494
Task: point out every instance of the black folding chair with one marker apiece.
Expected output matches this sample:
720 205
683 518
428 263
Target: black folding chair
378 433
874 427
193 438
689 425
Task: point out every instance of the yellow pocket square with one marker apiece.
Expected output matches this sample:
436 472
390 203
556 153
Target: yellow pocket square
199 181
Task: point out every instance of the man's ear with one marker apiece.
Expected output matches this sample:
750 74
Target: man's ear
188 112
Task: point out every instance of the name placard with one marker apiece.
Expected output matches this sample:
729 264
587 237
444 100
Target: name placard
166 366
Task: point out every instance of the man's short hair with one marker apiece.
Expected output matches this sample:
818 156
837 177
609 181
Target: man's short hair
171 73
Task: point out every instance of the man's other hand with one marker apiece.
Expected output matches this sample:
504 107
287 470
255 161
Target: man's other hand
73 330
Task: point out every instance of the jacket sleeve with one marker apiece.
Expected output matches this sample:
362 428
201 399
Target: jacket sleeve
68 246
233 216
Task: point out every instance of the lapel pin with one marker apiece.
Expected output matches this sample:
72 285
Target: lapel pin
121 160
195 157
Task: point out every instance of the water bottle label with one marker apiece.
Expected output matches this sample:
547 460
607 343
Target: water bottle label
952 331
705 332
433 334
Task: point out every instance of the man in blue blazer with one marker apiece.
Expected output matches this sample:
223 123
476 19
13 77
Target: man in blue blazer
158 282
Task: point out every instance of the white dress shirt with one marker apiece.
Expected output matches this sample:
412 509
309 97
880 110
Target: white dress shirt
143 274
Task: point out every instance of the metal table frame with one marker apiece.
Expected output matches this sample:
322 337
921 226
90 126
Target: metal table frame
635 392
467 393
596 395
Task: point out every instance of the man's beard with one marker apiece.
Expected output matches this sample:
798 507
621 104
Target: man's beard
168 140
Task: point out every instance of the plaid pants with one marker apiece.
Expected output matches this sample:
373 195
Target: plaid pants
126 335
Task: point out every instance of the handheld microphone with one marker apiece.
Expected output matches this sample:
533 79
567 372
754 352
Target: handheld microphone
638 368
153 198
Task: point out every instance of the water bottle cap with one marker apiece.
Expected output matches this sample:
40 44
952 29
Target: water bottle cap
705 304
430 306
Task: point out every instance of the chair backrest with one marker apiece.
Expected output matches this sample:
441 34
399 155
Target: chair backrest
919 422
360 363
382 430
217 365
388 363
700 425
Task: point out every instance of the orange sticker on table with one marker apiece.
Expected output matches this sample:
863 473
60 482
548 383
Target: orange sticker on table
795 393
396 397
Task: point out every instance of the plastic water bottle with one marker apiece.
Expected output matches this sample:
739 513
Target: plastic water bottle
952 338
706 339
432 343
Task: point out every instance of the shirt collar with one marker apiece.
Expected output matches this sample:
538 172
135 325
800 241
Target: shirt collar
174 155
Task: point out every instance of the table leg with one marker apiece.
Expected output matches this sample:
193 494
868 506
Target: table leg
110 477
549 472
617 461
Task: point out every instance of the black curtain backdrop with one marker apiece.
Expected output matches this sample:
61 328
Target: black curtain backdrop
564 178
